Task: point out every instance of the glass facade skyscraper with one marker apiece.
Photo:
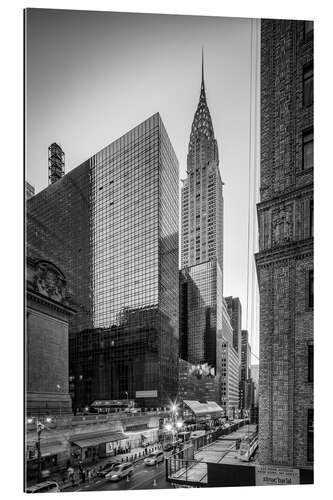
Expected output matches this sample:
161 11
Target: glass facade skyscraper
134 211
202 244
126 340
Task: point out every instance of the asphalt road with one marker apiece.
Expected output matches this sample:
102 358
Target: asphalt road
144 477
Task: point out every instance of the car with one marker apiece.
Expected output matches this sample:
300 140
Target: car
168 447
45 487
120 471
106 468
154 458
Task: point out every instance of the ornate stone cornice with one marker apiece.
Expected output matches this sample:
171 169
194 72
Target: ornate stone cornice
285 196
294 250
51 304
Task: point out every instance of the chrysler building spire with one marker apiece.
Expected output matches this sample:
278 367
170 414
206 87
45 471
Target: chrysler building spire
202 71
202 143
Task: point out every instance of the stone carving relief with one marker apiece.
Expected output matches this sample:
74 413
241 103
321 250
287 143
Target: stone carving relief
282 227
49 281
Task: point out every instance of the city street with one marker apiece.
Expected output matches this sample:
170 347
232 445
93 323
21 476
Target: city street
144 477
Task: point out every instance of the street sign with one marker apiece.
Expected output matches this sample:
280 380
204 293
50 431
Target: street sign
268 475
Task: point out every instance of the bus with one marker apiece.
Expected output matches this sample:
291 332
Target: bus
247 447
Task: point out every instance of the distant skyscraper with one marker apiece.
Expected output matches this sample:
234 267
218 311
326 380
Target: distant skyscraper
202 243
230 368
255 378
235 313
245 355
112 225
29 190
285 257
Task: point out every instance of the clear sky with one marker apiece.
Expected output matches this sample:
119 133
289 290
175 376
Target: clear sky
92 76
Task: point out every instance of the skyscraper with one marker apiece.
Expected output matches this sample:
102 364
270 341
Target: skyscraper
202 242
230 367
112 225
235 312
246 386
245 356
285 257
202 198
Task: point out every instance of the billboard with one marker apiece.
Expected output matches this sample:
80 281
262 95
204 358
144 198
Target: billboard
146 394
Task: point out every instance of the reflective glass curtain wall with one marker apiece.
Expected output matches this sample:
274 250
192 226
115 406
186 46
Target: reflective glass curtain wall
134 240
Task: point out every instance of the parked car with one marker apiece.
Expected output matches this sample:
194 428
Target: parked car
45 487
154 458
106 468
120 471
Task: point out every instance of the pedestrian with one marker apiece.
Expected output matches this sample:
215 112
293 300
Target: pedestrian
89 475
83 476
70 472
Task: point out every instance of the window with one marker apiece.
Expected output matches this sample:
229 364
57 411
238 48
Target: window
310 289
308 29
311 218
310 435
307 149
308 84
310 363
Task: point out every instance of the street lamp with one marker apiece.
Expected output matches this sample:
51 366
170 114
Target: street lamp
40 428
59 389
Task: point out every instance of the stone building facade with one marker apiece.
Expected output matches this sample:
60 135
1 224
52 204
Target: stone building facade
48 312
285 258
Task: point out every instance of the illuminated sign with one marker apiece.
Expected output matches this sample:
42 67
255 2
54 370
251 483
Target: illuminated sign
146 394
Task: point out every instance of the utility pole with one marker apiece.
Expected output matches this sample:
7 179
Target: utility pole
40 428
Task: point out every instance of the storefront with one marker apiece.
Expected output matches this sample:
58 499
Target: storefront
88 448
141 435
54 456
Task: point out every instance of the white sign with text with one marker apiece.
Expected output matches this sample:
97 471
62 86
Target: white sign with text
268 475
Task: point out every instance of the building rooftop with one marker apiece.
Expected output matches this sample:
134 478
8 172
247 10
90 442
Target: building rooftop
200 409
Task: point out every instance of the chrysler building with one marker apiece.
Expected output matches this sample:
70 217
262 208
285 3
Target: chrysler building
202 198
201 280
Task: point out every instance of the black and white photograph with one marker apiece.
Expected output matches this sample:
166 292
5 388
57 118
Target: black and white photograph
168 251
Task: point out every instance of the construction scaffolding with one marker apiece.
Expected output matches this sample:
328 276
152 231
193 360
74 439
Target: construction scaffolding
56 163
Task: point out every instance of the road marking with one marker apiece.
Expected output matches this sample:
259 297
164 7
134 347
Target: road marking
146 480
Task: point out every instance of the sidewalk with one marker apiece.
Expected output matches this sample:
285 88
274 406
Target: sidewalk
136 455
